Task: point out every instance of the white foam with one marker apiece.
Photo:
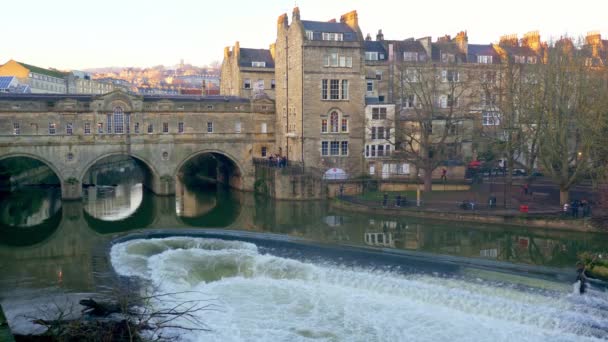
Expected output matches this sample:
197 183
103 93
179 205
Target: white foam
267 298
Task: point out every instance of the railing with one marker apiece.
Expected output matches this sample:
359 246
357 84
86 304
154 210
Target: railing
288 167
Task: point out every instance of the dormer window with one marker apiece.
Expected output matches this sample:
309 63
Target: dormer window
371 56
309 35
484 59
333 36
258 64
519 59
410 56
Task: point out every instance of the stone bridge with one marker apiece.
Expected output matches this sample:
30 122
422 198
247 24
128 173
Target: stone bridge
70 133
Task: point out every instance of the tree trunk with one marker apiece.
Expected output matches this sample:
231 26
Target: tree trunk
564 196
428 181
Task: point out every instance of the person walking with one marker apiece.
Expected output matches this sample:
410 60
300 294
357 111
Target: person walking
444 173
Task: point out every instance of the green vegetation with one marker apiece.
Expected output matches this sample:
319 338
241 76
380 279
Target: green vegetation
595 264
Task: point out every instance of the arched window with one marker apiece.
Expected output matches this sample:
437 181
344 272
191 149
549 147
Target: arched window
119 120
333 120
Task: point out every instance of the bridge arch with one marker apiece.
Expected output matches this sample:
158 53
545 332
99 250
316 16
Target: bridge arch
235 178
151 175
43 160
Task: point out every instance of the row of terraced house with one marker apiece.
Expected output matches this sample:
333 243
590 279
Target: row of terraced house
344 100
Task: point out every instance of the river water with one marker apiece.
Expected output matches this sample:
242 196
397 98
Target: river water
297 271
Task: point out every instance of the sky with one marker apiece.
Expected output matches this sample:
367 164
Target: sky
78 34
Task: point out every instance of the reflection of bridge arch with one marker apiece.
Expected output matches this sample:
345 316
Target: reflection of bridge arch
143 217
222 215
234 179
34 235
150 171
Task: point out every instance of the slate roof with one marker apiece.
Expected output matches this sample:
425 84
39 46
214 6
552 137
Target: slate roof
42 71
147 98
374 46
255 55
317 27
475 50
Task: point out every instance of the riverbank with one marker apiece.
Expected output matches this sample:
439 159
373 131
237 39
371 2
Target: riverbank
5 331
494 216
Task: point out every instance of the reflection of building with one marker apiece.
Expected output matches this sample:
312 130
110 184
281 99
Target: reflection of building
379 239
192 204
113 203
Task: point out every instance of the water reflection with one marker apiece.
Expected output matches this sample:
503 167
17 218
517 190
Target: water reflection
113 203
29 207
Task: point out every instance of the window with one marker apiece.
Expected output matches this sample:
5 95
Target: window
87 128
344 125
128 123
247 83
519 59
379 75
448 58
488 77
334 89
380 150
150 128
411 75
531 59
68 128
209 127
490 118
180 127
264 127
370 86
452 101
264 151
118 121
380 132
100 127
332 36
52 128
324 148
16 128
371 55
109 123
373 150
344 89
333 119
309 35
409 101
410 56
378 113
374 133
337 89
484 59
449 76
324 126
272 84
165 127
488 99
344 148
237 127
258 64
334 149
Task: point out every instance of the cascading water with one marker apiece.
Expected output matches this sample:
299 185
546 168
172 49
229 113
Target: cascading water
263 297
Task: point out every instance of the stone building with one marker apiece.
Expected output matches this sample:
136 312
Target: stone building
248 72
320 96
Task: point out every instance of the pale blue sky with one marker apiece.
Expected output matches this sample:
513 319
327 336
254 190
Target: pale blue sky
73 34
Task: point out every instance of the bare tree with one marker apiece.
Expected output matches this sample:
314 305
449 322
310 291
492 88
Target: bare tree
574 116
435 104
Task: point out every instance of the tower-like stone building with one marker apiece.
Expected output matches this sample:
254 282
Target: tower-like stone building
320 92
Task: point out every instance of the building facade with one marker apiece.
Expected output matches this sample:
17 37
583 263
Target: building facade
248 72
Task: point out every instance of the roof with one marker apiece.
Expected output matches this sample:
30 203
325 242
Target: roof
255 55
410 46
42 71
475 50
520 50
318 27
374 46
89 97
324 26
